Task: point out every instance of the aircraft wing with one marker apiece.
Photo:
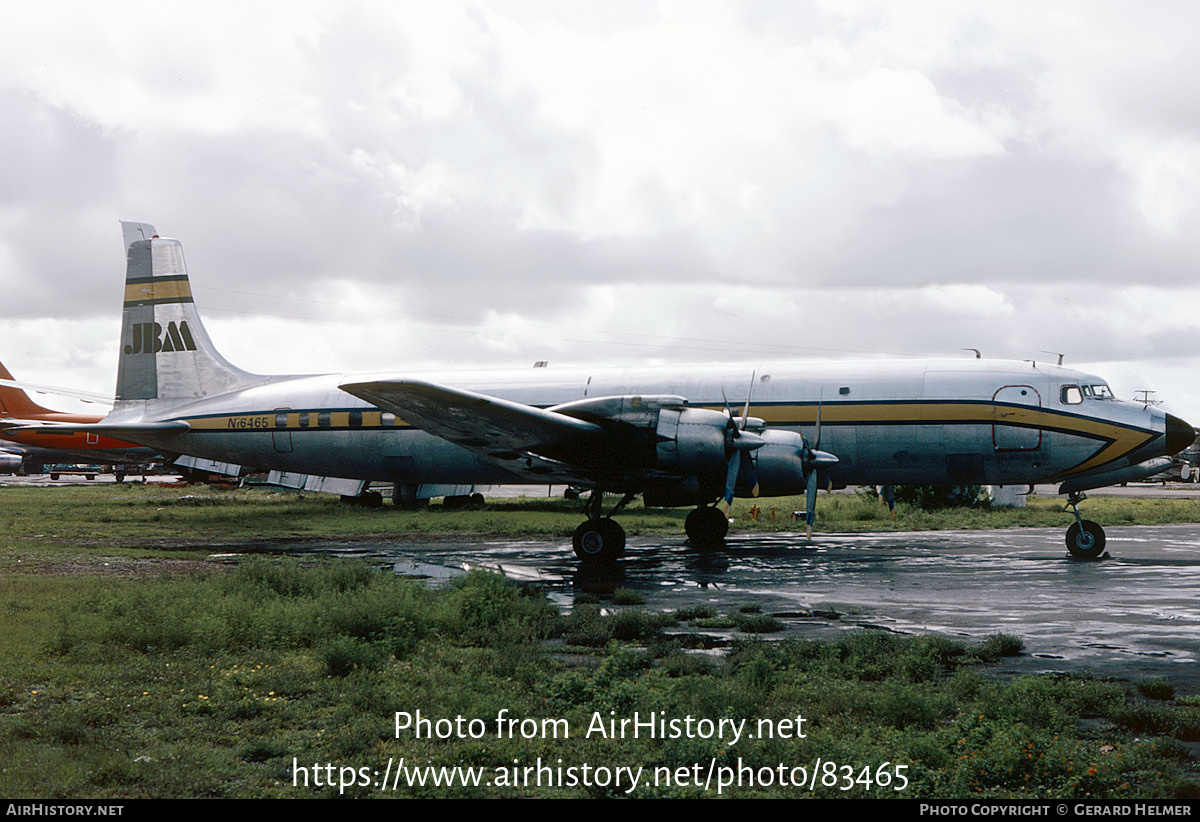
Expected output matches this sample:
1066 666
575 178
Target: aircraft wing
534 443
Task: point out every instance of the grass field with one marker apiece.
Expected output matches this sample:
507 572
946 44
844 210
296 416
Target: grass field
134 514
131 667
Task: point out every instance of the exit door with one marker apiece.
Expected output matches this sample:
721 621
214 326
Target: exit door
1015 418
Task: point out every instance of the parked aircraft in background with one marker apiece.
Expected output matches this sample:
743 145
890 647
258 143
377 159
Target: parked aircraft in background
677 436
11 460
18 410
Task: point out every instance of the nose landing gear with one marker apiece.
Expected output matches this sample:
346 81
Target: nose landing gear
1085 539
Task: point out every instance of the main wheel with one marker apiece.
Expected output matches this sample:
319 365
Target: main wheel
599 540
1086 542
706 527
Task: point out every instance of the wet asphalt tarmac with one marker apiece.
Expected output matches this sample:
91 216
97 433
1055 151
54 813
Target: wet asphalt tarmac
1133 613
1136 612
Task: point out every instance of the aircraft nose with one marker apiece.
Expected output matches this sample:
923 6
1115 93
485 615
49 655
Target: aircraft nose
1179 434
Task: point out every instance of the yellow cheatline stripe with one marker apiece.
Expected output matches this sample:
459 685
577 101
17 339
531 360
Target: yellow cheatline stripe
145 291
1121 440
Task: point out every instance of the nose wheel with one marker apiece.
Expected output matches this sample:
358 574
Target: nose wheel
1085 539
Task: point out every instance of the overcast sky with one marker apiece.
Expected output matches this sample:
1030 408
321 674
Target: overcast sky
369 185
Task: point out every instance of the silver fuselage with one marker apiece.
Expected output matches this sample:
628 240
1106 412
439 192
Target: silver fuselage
889 422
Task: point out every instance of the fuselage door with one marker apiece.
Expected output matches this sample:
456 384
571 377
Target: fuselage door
281 435
1015 417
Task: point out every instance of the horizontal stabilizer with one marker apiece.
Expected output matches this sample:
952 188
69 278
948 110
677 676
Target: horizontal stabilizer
117 430
85 396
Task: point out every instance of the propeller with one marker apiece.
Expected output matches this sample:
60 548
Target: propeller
813 461
739 442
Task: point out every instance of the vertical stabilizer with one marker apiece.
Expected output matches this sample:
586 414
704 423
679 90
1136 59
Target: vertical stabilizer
16 403
165 352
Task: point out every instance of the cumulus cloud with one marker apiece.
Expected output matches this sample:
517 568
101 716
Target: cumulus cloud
497 182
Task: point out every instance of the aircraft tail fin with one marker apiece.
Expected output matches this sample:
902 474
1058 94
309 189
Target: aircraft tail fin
15 403
165 352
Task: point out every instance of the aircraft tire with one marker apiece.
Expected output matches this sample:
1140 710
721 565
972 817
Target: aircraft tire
599 540
706 527
1086 542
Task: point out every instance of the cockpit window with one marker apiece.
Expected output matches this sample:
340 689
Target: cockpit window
1071 395
1098 392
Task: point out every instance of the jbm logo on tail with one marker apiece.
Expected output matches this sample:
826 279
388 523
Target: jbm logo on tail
148 338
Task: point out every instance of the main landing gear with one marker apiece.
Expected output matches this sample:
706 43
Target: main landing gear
601 538
1085 539
706 527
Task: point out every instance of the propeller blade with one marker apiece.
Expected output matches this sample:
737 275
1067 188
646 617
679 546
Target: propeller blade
749 473
741 464
814 459
731 475
746 407
810 502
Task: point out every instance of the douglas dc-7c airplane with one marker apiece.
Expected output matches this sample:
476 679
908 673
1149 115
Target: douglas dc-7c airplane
666 433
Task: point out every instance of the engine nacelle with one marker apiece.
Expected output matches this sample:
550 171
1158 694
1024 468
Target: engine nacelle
780 463
697 442
10 463
692 442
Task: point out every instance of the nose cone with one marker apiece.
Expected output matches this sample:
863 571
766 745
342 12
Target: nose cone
1179 435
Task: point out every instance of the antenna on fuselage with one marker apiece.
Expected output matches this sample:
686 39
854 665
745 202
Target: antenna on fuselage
1145 398
978 354
1055 353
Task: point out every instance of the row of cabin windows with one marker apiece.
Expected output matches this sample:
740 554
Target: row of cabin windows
325 419
1075 394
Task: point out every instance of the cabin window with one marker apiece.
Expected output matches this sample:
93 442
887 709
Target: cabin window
1071 395
387 418
324 419
281 419
356 419
304 419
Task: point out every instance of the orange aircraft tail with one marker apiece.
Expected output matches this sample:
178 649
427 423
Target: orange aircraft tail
15 403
